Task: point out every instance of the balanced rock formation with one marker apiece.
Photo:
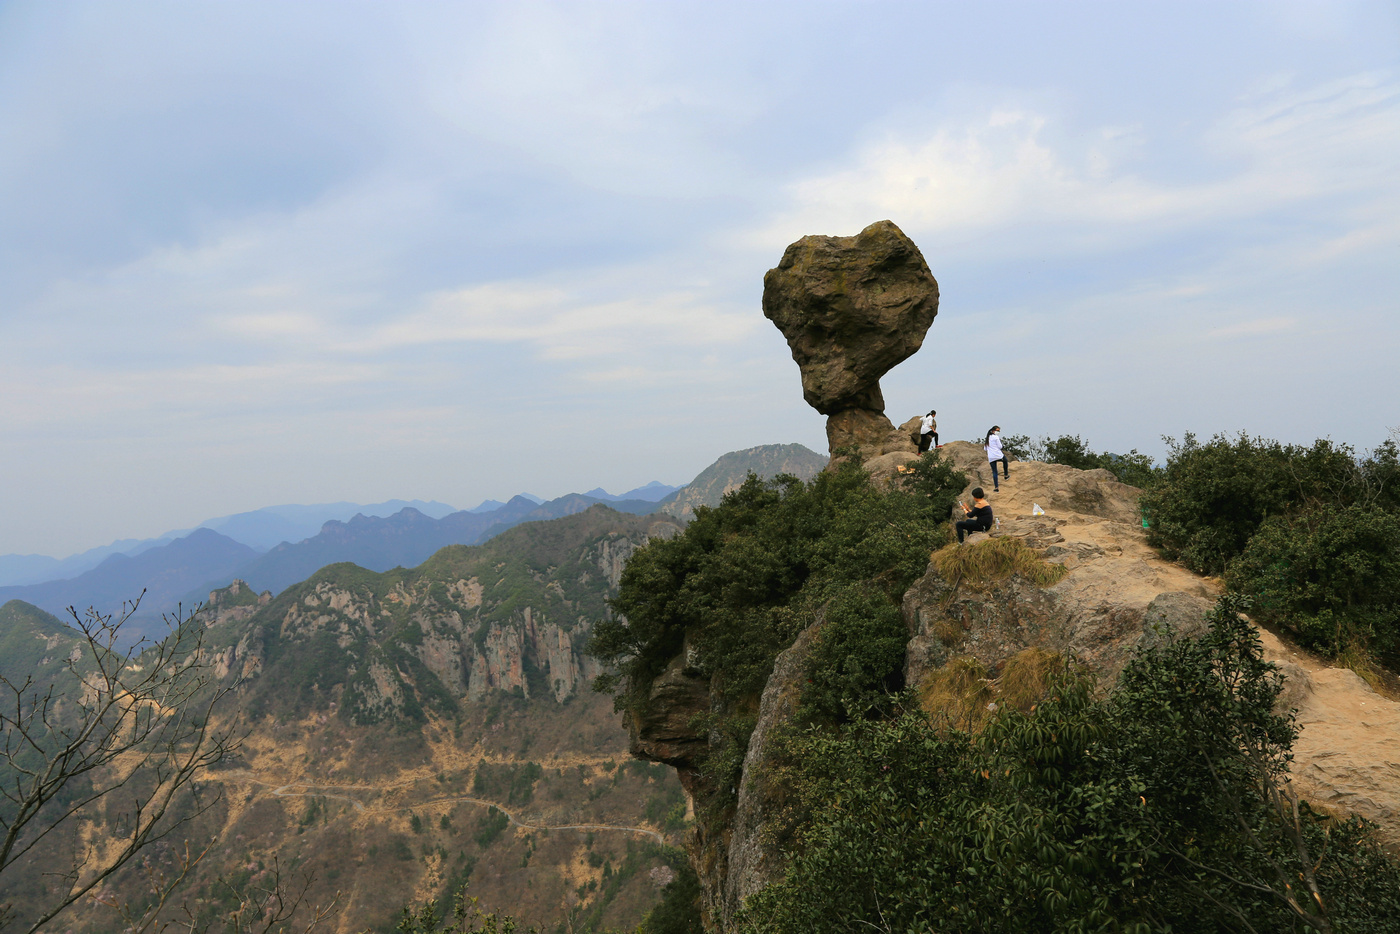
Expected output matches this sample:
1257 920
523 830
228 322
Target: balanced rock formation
852 308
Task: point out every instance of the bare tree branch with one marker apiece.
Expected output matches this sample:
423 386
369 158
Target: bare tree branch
121 742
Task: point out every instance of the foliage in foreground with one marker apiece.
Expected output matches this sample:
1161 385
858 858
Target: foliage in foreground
463 918
125 754
1158 808
1311 535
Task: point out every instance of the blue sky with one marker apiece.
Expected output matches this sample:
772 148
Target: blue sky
259 253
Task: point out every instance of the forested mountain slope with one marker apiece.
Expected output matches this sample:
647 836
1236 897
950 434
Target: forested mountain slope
413 730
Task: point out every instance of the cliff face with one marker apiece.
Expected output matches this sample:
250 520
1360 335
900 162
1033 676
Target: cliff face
1116 596
463 626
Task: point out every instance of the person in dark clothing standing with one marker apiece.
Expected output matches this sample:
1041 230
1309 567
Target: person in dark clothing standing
979 517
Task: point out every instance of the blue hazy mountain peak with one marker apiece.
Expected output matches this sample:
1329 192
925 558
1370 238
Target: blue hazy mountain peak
653 492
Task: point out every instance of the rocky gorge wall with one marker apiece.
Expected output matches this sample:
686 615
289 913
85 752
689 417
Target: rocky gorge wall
416 638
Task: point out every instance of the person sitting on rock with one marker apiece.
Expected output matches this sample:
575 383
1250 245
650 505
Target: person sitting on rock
928 434
979 517
996 456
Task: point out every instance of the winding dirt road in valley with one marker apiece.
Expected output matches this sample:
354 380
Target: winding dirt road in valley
287 790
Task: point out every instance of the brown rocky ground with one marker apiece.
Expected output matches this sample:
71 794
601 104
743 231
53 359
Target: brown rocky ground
1347 757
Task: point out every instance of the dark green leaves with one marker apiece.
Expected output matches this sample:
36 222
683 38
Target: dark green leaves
1146 810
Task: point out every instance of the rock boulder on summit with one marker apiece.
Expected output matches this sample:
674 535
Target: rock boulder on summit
851 308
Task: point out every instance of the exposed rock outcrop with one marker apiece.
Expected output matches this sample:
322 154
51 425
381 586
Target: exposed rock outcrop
408 640
754 855
666 729
1118 593
1347 755
851 308
1117 596
235 602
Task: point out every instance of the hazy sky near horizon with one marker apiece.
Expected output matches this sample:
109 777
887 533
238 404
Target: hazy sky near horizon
295 252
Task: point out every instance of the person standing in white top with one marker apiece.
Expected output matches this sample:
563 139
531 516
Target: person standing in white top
995 456
928 434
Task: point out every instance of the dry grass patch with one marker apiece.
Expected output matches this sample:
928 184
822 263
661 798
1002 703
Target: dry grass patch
948 631
957 694
1025 678
995 559
1356 657
963 694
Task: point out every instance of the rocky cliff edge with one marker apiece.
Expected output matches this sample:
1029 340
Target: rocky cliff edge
1116 596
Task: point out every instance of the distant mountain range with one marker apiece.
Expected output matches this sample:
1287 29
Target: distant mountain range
185 568
259 529
267 528
405 539
167 573
653 492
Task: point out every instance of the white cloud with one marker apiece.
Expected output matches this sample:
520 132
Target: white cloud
1255 328
1007 171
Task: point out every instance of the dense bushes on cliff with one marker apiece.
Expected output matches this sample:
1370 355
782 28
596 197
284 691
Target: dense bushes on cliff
1156 808
745 578
1332 576
1213 497
1310 534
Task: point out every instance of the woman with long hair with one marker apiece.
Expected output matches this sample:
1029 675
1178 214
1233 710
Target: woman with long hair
928 432
995 456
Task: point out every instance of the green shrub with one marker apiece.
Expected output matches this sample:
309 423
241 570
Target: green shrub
490 826
745 578
731 581
1330 576
513 781
1380 476
1069 450
1132 468
678 912
1212 497
1156 808
399 848
858 656
1019 447
463 918
935 479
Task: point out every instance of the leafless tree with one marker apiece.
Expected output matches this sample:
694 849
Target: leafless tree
118 741
271 902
